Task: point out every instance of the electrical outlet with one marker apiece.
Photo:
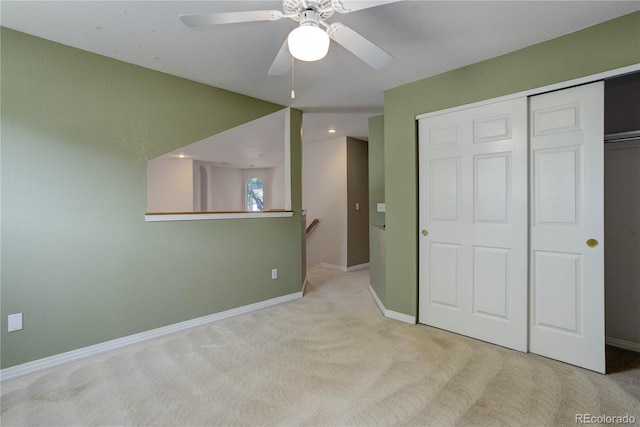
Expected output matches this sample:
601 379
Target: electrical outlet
14 322
274 273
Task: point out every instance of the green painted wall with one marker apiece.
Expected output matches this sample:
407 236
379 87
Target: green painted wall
377 253
603 47
299 254
78 258
378 262
376 169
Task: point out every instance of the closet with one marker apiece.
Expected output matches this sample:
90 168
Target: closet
512 223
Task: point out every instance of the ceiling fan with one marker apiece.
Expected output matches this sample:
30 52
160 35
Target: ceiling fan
308 42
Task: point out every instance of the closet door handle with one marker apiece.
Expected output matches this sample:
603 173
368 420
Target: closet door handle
425 233
592 243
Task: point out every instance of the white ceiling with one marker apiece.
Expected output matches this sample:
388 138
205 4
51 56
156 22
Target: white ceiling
259 144
425 37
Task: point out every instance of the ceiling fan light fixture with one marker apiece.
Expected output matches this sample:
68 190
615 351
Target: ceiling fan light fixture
308 42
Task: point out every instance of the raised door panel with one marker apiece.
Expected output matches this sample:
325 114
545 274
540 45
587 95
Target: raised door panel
444 136
492 192
557 185
491 282
556 291
556 119
444 274
492 129
445 189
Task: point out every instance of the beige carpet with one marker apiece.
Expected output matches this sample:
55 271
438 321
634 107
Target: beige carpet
329 359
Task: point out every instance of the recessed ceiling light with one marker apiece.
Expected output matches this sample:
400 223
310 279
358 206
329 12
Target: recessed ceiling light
332 131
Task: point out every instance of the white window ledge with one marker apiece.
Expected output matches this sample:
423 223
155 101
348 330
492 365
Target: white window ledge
215 215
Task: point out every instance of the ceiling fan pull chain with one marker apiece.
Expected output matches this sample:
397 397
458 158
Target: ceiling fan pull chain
293 93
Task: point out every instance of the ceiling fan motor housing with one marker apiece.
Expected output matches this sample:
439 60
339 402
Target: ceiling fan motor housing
309 17
323 8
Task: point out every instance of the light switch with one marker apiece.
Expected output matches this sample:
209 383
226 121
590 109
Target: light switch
380 207
357 206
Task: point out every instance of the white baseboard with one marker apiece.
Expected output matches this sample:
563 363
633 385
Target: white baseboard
400 316
627 345
390 314
376 299
344 269
333 267
58 359
358 267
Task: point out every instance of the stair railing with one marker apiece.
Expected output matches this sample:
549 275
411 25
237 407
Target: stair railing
313 225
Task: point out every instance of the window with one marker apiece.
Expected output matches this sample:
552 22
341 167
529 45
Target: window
255 195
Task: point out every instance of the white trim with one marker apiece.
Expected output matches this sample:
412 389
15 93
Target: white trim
287 159
390 314
376 299
58 359
197 216
333 267
400 316
539 90
345 269
304 285
620 343
358 267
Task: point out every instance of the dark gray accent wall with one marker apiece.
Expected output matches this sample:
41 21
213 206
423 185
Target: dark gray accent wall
357 194
377 245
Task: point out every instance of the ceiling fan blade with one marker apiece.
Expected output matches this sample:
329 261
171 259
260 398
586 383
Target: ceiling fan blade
210 19
282 64
374 56
346 6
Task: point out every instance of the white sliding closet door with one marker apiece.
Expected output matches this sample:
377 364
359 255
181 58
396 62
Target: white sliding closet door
473 222
567 226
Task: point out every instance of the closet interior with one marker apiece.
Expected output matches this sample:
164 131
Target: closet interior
622 211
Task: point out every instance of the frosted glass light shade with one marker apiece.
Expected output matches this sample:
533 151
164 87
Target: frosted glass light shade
308 43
